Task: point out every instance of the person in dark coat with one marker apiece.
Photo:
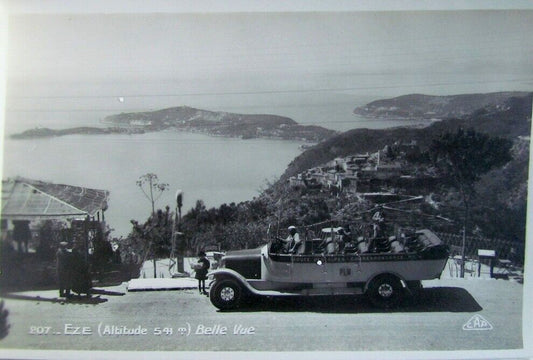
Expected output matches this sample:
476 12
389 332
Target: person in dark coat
80 277
201 271
63 269
21 234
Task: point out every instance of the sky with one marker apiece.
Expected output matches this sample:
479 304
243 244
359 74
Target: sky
79 52
199 46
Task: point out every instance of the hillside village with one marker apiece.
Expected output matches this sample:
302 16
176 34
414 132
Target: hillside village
383 170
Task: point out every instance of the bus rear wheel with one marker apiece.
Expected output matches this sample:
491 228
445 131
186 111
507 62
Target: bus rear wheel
385 291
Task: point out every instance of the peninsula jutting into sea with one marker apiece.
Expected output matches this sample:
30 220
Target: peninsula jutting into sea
183 118
248 126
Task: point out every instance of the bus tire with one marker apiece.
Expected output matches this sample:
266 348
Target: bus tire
226 294
385 291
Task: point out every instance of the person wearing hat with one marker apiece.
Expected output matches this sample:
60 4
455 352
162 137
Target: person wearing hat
201 271
378 224
344 237
293 240
63 269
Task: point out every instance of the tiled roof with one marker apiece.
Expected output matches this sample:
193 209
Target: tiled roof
24 198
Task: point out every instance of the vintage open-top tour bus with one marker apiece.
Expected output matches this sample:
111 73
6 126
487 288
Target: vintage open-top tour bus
382 268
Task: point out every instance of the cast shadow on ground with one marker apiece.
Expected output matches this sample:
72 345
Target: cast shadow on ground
75 299
106 292
437 299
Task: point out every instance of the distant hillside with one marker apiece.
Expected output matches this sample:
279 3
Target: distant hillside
417 106
498 212
500 206
222 124
511 118
188 115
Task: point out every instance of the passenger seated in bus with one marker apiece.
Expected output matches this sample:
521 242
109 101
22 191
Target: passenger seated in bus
331 245
328 245
344 237
378 224
362 245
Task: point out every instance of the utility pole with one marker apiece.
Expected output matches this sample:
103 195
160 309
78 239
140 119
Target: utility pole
463 250
177 238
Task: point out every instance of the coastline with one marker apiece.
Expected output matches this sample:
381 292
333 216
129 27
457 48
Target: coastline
39 133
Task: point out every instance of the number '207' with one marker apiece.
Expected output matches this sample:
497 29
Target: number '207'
40 330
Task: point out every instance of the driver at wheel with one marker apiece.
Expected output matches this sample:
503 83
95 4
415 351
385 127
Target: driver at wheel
292 242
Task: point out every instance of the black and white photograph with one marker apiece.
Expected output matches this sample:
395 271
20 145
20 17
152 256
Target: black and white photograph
290 179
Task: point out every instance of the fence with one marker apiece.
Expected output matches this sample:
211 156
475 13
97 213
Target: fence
505 249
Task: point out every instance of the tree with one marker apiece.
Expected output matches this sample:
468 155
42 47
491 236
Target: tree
161 233
51 233
463 157
152 188
103 250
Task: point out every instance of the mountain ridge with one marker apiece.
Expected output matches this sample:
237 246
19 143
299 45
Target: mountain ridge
421 106
511 118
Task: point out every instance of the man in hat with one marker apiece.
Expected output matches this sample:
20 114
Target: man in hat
344 237
63 269
378 225
292 242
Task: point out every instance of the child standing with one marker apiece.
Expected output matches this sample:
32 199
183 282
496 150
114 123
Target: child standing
201 271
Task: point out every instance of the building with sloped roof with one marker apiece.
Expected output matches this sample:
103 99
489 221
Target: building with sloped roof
25 201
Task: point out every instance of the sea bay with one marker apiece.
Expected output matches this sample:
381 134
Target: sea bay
215 170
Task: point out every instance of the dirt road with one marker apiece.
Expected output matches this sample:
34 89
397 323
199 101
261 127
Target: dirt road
452 314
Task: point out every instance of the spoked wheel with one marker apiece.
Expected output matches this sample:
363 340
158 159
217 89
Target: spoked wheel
385 291
226 294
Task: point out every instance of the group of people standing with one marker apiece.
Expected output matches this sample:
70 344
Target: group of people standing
72 272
